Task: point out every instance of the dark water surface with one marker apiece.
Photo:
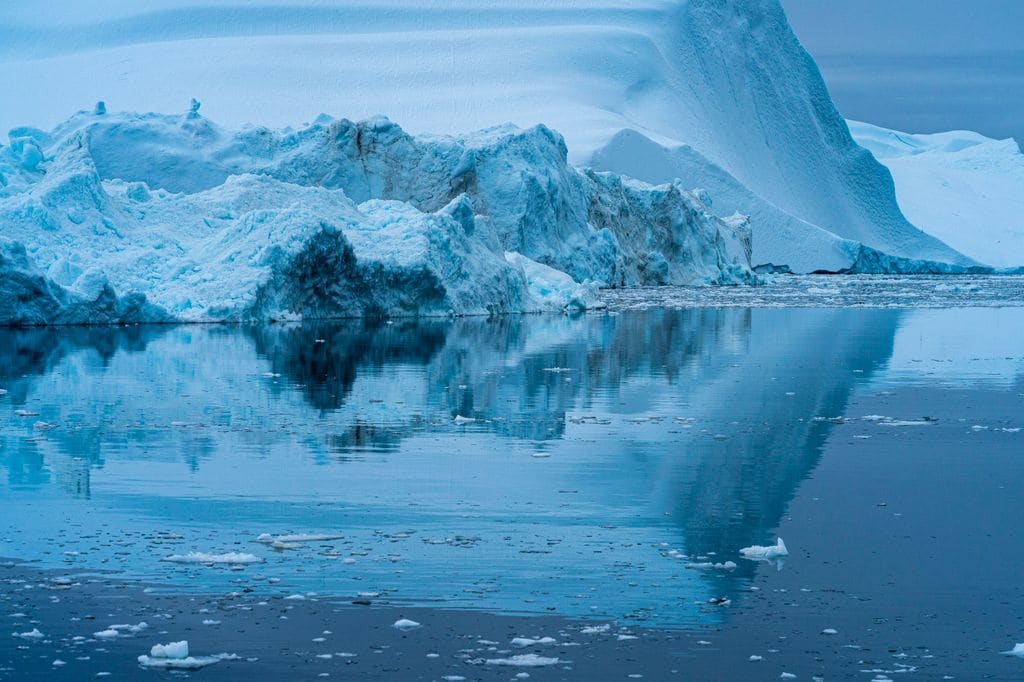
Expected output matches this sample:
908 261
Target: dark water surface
571 467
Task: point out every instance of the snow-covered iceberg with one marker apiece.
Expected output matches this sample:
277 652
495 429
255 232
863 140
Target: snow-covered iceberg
962 187
723 86
147 217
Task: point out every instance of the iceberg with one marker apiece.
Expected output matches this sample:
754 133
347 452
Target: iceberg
153 218
724 87
961 187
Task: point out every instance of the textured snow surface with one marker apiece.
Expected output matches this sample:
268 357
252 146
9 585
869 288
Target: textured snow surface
722 86
146 217
962 187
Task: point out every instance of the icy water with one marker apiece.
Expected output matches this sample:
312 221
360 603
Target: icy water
597 467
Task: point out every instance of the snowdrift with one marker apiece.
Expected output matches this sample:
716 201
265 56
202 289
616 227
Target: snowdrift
962 187
146 217
723 86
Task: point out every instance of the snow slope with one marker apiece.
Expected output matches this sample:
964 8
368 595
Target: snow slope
147 217
962 187
726 77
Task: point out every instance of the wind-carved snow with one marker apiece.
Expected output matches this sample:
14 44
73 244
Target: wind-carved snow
126 218
723 86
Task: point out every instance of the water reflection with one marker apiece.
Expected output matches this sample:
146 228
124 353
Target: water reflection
578 453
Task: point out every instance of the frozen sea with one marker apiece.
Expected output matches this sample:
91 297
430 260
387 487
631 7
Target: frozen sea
603 469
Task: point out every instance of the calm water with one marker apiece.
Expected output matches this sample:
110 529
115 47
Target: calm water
538 464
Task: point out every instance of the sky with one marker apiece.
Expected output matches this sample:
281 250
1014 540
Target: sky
920 65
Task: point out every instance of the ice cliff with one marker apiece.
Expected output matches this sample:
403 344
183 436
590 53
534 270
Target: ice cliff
720 91
147 217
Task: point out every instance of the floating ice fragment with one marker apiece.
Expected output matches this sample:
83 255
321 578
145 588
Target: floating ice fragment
459 420
33 634
526 641
210 621
25 413
1017 651
172 650
204 558
758 553
524 661
830 631
707 565
405 624
596 629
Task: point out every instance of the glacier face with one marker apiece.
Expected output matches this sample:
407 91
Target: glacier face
722 85
147 217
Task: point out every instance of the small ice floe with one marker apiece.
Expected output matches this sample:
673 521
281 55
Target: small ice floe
755 658
710 566
460 420
787 676
271 375
404 624
210 621
890 421
175 656
758 553
830 631
115 631
526 641
524 661
57 663
296 540
622 637
1017 651
238 558
3 392
25 413
719 601
33 634
557 370
596 629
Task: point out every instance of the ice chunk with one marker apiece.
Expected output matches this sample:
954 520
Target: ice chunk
405 624
524 661
525 641
31 634
759 553
1018 651
205 558
172 650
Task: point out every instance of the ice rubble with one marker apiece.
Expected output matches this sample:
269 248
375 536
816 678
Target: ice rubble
148 217
722 86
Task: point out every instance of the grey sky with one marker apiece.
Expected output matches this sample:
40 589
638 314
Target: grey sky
920 65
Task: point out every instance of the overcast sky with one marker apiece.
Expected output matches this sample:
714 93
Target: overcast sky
920 65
